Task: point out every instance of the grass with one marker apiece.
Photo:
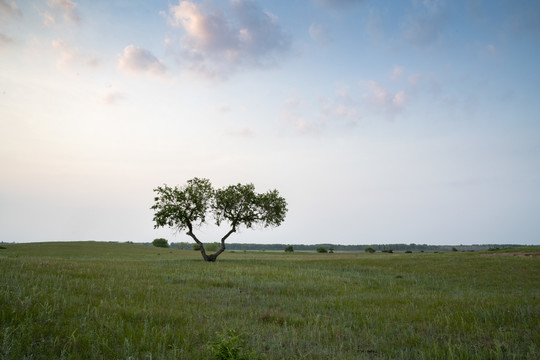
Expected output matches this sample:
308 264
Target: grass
96 300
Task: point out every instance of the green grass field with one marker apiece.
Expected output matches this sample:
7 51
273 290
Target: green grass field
93 300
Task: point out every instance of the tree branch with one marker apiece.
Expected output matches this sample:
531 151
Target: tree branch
203 251
214 256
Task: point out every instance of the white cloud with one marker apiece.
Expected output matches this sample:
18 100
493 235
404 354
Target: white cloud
66 8
216 43
292 115
70 56
325 114
340 107
320 34
136 60
384 101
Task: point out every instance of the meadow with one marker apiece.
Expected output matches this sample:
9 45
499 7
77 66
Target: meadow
94 300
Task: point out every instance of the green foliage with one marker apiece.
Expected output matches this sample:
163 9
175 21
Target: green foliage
408 252
289 248
211 246
160 242
369 250
230 346
331 250
322 249
454 249
183 207
196 247
388 251
238 205
241 205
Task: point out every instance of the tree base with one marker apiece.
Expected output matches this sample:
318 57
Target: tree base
211 258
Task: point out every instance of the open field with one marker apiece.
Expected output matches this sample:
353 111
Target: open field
118 301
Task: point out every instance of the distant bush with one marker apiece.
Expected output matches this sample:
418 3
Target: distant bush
454 249
331 250
408 252
322 249
389 251
369 250
212 246
289 248
161 242
494 249
196 247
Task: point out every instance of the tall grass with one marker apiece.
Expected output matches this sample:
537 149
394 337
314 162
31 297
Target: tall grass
101 301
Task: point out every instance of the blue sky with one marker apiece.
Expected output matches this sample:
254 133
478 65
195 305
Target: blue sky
379 121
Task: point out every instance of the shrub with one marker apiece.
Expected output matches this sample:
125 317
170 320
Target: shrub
196 247
408 252
369 250
212 246
230 346
331 250
289 248
161 242
454 249
389 251
322 249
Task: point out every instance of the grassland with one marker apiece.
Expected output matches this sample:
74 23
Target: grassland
123 301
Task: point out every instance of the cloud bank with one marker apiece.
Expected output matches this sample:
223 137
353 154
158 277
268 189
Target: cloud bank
217 43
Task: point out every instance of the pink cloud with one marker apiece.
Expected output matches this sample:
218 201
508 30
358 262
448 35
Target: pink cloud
217 43
136 60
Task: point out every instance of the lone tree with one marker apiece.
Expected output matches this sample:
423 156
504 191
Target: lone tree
161 242
239 205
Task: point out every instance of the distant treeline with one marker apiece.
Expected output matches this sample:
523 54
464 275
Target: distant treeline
376 247
337 247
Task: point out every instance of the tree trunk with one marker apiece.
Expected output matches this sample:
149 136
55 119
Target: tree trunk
211 257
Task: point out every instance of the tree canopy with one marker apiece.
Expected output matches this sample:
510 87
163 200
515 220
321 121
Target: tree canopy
189 206
160 243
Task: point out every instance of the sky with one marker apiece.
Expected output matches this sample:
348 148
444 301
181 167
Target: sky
414 121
